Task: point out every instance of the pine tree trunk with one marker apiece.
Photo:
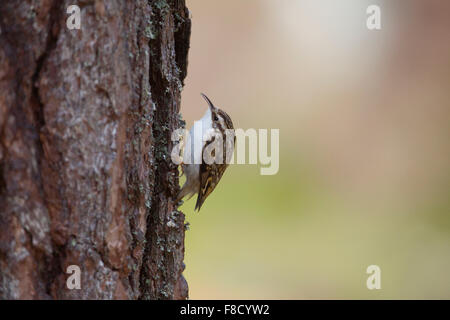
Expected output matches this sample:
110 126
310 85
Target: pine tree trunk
86 177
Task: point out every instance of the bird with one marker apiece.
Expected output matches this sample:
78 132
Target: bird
203 176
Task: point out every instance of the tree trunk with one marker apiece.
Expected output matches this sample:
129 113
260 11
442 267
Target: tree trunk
86 177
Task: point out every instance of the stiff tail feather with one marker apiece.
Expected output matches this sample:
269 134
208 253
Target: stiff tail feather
183 193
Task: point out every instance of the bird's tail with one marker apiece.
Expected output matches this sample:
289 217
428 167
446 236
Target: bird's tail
183 193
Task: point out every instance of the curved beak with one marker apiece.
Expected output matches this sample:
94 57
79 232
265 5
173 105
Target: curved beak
211 106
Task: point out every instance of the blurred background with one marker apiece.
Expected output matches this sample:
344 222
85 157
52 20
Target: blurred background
364 119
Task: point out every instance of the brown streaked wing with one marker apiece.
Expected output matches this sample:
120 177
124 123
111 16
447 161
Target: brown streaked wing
210 175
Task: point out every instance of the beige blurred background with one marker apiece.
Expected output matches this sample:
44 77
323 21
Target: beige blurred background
364 119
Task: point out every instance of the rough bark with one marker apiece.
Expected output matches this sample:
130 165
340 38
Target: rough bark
85 172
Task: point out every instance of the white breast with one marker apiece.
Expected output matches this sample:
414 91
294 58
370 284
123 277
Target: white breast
192 155
194 142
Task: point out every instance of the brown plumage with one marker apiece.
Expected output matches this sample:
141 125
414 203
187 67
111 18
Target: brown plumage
210 174
204 178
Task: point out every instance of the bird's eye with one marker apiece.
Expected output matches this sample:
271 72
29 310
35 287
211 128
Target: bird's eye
215 118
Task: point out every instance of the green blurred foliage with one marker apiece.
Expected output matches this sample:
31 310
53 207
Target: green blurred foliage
364 152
